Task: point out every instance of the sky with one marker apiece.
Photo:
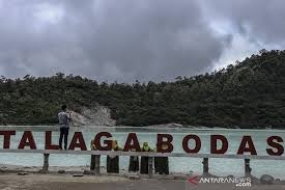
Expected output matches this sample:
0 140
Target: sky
129 40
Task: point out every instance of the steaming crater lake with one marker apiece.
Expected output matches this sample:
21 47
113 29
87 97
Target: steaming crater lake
217 166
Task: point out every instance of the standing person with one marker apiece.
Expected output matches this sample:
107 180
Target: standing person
93 147
134 163
63 118
161 164
113 161
95 159
156 163
144 159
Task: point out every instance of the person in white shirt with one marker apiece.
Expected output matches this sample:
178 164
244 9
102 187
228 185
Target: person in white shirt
63 118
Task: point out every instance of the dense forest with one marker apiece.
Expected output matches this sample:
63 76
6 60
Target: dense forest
249 94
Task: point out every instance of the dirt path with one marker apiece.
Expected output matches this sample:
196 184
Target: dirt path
61 182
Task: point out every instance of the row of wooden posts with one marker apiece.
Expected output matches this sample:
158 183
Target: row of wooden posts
205 163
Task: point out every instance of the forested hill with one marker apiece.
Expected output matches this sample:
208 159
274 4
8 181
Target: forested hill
250 94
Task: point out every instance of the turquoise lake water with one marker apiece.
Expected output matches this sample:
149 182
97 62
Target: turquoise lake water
217 166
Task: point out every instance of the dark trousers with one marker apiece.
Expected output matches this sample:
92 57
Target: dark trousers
94 159
113 164
92 165
134 164
63 134
161 165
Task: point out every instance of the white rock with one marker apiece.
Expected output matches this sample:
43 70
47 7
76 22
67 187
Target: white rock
96 116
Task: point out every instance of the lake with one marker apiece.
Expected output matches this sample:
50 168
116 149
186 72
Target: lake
216 166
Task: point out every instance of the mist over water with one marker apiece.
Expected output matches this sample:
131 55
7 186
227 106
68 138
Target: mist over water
217 166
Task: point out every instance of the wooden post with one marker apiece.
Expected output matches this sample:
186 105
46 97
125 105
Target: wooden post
46 163
92 162
247 167
150 167
97 164
205 165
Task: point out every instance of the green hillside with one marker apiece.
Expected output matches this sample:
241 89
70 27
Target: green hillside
250 94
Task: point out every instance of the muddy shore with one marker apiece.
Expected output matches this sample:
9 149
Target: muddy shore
32 181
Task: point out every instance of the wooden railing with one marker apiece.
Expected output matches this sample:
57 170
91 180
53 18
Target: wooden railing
205 157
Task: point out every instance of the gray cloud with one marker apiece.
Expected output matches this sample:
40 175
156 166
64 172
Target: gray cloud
260 20
127 40
106 40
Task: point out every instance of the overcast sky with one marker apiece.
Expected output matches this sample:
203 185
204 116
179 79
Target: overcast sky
128 40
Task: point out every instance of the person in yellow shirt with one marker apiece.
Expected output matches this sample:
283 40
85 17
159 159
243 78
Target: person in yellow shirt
161 164
93 147
113 161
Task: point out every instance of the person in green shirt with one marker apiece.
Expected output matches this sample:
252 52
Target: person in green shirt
145 159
